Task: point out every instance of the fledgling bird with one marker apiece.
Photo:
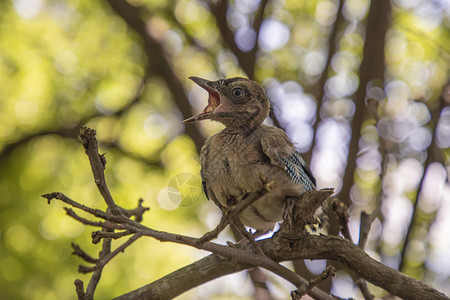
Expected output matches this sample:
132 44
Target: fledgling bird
233 160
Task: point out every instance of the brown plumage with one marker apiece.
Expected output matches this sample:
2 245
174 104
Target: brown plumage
234 159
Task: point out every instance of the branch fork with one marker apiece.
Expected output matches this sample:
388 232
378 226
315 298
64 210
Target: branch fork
290 242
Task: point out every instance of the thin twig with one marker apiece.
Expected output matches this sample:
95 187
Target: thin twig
341 210
365 223
95 212
97 236
105 259
327 273
342 215
71 213
137 212
82 254
79 289
364 227
95 278
237 222
98 162
232 212
60 196
362 285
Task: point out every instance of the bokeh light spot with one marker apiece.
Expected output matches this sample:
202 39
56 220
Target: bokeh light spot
273 35
19 238
12 269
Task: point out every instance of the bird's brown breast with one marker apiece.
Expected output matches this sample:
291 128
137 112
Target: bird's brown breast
232 166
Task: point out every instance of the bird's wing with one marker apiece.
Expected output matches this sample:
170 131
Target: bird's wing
279 149
203 155
205 185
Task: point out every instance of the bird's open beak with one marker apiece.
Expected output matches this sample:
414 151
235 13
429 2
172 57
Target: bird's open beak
213 99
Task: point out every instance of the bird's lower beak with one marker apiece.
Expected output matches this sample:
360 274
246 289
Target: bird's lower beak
213 99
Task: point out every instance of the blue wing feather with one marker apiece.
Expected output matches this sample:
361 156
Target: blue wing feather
299 172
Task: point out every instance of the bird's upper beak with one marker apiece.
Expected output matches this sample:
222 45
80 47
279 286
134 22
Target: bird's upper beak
213 99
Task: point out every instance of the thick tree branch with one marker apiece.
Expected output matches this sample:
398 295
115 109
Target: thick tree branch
311 247
186 278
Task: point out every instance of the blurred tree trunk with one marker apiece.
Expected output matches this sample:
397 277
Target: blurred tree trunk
434 154
320 94
333 41
372 68
159 64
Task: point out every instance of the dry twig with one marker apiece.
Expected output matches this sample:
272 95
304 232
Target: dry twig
327 273
229 214
341 211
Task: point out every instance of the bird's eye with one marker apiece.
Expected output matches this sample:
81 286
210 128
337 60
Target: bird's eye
237 92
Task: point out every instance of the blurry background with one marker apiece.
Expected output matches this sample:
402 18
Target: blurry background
358 86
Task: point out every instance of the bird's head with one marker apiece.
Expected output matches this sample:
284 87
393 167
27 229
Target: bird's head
238 103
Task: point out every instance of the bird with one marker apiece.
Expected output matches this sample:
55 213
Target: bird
235 160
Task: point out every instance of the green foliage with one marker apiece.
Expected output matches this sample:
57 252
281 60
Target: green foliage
75 61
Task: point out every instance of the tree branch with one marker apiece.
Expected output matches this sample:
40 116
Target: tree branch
106 258
82 254
289 243
364 228
279 249
97 162
327 273
230 213
311 247
95 278
79 289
